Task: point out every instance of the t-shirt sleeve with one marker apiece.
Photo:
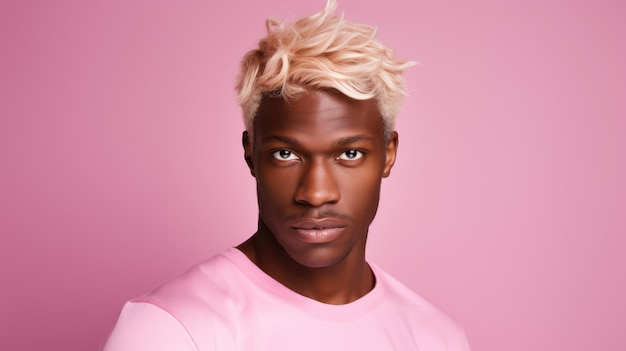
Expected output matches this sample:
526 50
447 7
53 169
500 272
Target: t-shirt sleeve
143 326
466 346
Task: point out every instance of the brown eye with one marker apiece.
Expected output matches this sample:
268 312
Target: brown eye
350 155
284 155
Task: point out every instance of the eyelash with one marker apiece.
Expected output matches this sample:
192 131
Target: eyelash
277 155
358 155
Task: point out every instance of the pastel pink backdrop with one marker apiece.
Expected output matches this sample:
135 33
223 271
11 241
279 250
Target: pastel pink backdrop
122 166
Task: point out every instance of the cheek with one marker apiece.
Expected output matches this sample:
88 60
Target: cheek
275 189
361 192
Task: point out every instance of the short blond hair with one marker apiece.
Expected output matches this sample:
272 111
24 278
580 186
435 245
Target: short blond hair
320 52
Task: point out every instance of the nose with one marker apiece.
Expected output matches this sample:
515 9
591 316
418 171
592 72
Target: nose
317 185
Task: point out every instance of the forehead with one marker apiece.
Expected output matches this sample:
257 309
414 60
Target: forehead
319 113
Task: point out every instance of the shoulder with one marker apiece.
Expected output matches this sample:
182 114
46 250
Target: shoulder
199 287
432 326
196 307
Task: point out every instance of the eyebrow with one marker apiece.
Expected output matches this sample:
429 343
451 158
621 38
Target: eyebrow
341 142
289 141
355 139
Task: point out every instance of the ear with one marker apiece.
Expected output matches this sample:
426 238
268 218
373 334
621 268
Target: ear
247 151
391 150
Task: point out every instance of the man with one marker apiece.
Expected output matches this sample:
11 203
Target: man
319 98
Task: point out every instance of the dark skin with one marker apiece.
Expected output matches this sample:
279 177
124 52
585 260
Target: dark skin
318 163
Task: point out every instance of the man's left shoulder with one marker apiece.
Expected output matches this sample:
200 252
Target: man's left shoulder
430 325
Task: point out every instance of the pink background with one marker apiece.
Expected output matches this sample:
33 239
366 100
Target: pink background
121 162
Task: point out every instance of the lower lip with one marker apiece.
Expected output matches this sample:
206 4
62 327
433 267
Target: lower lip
318 236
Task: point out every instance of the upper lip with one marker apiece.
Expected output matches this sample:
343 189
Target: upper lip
318 223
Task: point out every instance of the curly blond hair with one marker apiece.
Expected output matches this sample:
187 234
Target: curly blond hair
319 52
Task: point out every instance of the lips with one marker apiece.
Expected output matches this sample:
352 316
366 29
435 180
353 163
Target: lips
318 231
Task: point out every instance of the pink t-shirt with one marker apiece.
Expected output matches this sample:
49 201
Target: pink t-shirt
227 303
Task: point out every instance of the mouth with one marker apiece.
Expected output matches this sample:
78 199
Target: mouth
318 231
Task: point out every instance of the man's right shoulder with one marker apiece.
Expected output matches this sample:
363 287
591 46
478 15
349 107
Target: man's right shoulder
195 308
207 286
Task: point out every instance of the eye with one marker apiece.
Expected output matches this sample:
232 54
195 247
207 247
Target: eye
284 155
350 155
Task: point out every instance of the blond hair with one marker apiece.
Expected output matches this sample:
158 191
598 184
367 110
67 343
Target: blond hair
320 52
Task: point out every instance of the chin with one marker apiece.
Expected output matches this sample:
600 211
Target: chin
318 258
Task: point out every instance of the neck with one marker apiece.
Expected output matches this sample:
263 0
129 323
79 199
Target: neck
341 283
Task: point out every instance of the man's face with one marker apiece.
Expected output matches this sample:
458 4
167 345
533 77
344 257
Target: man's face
318 163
